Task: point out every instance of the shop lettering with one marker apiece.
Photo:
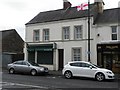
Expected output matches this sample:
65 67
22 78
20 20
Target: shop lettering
112 47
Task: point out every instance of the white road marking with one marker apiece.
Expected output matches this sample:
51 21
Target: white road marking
18 84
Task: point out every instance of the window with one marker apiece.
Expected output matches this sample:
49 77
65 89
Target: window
114 32
36 35
25 63
45 34
66 33
76 52
18 62
75 64
78 32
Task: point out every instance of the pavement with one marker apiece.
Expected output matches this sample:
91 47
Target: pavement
55 73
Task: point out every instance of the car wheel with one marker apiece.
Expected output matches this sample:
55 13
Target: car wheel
33 72
11 71
100 76
68 74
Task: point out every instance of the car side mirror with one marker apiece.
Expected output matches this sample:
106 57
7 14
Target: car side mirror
90 67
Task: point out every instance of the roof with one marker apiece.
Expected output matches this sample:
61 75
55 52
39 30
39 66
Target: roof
11 41
56 15
109 15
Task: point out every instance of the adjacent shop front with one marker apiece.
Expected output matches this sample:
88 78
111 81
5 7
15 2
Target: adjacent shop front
108 56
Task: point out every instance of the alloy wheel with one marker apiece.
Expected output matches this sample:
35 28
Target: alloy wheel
68 74
100 77
33 72
11 71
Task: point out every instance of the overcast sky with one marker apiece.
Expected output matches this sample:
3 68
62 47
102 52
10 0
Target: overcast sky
15 13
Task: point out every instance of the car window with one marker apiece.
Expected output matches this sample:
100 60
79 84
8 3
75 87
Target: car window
18 62
85 65
76 64
80 64
73 64
24 63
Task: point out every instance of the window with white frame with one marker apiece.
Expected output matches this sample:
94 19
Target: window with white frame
36 35
76 54
45 34
77 32
66 33
114 33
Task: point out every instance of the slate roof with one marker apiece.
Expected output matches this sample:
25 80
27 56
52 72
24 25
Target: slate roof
11 41
110 15
57 15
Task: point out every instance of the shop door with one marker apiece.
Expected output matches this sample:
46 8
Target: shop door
116 63
107 60
61 56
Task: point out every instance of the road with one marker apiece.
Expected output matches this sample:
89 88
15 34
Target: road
51 82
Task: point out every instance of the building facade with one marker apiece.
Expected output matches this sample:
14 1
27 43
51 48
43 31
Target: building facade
54 38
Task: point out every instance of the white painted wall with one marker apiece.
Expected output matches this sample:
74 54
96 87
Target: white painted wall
104 30
55 29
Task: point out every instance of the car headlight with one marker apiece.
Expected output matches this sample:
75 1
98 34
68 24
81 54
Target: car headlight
41 69
108 72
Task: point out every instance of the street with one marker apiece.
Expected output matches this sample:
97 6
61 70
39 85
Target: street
53 82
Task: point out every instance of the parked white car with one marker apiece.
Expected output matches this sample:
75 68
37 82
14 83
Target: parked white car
86 69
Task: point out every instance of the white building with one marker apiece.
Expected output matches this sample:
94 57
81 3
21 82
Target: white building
54 38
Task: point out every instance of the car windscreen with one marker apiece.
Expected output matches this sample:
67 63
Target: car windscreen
93 65
33 64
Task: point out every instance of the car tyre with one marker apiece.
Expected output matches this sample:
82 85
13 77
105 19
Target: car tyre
33 72
68 74
11 71
100 76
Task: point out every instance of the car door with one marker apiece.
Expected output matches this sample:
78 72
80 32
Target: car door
17 66
25 67
76 69
88 70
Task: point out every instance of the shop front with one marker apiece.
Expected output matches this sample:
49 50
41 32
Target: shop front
42 54
108 56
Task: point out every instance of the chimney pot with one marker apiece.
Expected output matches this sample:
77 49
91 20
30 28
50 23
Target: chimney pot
66 4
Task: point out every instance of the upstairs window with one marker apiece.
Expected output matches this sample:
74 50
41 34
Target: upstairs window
114 32
45 34
36 35
78 32
66 33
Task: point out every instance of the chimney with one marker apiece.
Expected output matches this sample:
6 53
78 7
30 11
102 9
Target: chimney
66 4
99 6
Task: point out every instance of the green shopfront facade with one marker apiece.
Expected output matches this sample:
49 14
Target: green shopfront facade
42 54
108 56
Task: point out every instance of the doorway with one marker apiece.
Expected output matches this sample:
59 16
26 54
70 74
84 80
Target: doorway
107 61
60 58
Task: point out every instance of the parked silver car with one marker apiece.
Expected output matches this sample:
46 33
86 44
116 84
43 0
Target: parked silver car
23 66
